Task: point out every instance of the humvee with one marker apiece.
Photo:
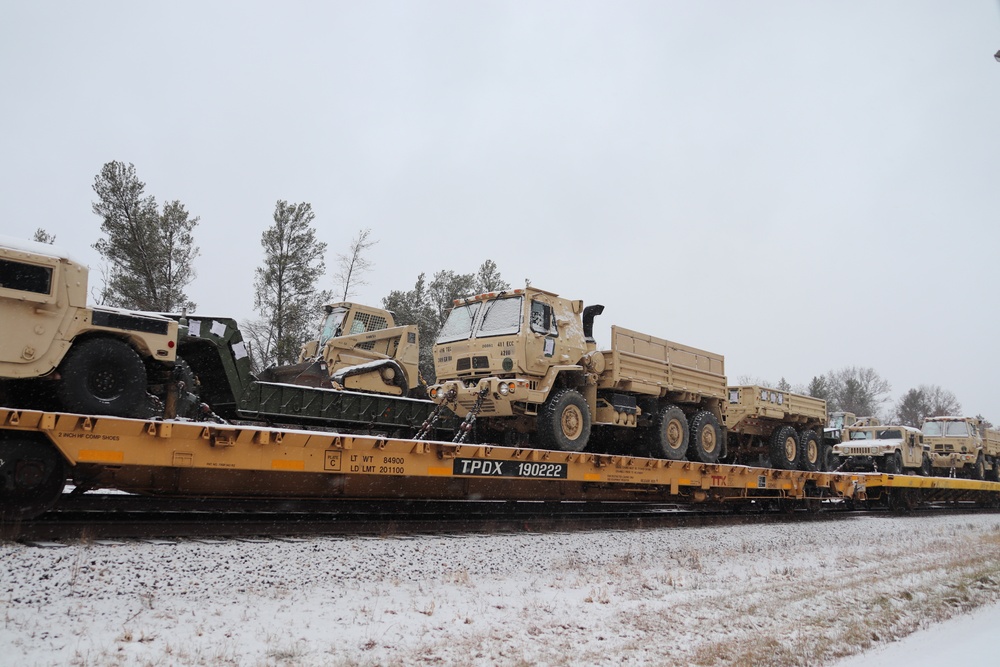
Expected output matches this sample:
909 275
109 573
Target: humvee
889 449
56 350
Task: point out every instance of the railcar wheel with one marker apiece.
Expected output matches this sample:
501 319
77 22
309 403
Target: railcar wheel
812 454
892 464
564 422
32 477
706 438
667 437
784 448
926 468
103 376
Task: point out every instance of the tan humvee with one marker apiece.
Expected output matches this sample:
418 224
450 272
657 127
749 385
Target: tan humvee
359 348
524 361
963 443
55 348
889 449
779 426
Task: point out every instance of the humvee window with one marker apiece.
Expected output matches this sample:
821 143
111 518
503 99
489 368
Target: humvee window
890 435
502 317
25 277
861 435
458 326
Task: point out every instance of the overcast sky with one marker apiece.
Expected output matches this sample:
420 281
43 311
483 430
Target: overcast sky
800 186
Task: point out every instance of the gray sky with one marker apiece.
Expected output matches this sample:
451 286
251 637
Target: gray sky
800 186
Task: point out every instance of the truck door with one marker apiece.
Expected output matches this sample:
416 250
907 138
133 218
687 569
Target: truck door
28 308
541 337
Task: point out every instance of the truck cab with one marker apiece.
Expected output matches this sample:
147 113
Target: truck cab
963 443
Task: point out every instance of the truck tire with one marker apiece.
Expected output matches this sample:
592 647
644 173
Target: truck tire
784 448
706 438
926 467
978 470
811 457
103 376
667 437
564 422
892 463
995 472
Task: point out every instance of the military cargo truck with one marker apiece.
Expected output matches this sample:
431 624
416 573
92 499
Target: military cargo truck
358 348
56 351
523 364
777 426
963 445
889 449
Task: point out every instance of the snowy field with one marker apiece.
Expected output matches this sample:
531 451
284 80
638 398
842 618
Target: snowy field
785 594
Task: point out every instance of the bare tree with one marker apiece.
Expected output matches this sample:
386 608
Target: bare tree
925 401
354 264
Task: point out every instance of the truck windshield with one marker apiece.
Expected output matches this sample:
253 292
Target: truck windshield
501 317
954 429
458 326
331 325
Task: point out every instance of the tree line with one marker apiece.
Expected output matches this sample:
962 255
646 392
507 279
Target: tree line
149 252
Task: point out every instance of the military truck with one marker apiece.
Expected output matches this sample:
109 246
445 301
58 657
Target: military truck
776 427
523 365
890 449
359 348
963 445
56 351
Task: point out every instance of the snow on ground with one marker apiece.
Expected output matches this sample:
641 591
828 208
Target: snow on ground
795 593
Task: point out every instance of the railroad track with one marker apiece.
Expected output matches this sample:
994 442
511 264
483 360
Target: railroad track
120 516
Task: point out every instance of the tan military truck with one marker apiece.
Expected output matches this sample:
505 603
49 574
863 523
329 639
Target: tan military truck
779 427
890 449
359 348
525 362
963 444
57 350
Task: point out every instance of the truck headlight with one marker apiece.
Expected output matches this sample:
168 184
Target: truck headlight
503 389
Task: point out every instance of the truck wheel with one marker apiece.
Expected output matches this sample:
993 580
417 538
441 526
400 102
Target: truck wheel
706 438
103 376
784 448
564 422
926 468
892 464
979 468
995 472
812 454
667 437
32 477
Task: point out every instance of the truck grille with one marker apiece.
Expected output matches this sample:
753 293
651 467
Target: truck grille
465 363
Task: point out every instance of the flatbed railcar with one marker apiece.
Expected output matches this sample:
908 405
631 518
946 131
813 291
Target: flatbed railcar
42 451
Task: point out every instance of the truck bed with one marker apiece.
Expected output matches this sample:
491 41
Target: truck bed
653 366
753 403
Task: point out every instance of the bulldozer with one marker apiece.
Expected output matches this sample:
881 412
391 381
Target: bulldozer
359 348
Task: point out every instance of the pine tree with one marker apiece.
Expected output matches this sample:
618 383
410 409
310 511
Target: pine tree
150 255
285 293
